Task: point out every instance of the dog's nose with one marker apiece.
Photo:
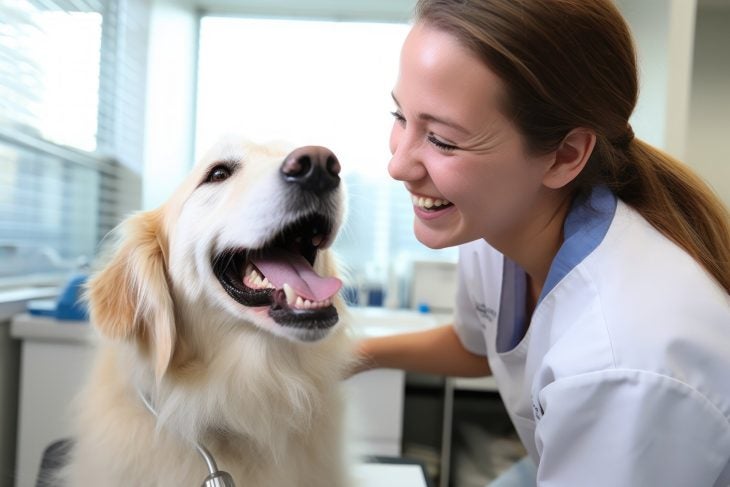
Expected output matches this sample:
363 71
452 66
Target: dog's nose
314 168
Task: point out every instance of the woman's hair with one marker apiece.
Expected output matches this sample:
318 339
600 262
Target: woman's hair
571 63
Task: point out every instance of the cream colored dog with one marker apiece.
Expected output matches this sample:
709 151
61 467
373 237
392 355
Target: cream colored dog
220 309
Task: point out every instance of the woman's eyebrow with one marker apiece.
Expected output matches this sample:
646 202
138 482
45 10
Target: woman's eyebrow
426 117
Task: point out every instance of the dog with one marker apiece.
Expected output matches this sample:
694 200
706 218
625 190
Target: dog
222 330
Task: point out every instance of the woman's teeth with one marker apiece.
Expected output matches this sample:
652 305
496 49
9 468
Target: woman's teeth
428 203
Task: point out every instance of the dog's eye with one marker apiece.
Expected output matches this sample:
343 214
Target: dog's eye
218 174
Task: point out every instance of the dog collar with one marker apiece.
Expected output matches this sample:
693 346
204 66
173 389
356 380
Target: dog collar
215 478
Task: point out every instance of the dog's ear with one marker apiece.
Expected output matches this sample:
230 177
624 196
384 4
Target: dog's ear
129 298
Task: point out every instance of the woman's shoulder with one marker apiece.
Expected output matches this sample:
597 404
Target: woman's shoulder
646 305
637 264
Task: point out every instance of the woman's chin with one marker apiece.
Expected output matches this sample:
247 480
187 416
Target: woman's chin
434 239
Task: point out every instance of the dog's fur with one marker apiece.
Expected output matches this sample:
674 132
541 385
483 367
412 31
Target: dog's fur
263 398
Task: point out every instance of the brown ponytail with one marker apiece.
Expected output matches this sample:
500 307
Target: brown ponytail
572 63
680 205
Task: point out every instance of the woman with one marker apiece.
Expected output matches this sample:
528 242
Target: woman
594 269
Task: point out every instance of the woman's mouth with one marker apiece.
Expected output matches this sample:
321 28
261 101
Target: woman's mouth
428 204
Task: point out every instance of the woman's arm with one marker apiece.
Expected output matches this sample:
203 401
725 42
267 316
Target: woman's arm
434 351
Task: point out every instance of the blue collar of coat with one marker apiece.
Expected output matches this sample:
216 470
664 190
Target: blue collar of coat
586 225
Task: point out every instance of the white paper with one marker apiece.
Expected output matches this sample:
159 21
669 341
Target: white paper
389 475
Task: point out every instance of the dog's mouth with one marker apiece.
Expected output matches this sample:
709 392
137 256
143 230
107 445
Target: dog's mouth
281 275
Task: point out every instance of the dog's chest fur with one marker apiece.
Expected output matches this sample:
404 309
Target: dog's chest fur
268 418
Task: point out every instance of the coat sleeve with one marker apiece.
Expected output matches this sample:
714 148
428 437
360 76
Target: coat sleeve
629 428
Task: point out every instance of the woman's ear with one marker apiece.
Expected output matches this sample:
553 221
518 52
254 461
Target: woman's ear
570 158
129 298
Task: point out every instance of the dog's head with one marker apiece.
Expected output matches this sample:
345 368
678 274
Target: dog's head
243 242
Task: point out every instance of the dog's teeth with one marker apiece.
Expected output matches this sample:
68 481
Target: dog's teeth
248 273
291 295
265 282
301 303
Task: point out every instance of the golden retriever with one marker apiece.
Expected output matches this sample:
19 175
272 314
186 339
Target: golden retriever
221 310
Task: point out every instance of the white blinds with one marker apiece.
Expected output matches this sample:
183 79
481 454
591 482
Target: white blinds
122 80
50 69
71 117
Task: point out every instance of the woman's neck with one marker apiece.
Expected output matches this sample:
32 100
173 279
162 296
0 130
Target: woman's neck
534 248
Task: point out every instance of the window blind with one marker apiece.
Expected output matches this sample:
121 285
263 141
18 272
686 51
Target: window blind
71 116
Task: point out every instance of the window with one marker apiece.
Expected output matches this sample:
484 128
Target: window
323 83
55 70
71 74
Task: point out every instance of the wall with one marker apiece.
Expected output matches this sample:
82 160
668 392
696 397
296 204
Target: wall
170 111
382 10
663 31
684 103
709 116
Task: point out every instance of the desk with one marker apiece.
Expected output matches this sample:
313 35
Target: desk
389 475
55 358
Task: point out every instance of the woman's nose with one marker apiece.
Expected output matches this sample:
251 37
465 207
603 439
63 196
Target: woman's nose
404 164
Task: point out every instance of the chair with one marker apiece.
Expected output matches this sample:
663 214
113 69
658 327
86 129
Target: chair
54 457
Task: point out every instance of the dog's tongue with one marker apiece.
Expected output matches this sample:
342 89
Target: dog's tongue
283 267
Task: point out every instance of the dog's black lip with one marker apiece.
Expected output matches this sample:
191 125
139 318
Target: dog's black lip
311 320
321 318
228 267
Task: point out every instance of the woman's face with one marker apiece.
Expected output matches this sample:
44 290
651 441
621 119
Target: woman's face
460 158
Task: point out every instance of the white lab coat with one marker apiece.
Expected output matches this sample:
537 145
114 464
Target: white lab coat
623 376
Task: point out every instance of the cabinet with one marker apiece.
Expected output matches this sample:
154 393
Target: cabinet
459 428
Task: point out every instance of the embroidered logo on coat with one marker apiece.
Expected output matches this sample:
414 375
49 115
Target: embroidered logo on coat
537 410
485 312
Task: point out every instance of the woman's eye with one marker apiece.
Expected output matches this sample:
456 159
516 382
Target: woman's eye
218 174
398 117
441 145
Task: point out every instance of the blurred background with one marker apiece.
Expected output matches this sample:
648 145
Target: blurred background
105 105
